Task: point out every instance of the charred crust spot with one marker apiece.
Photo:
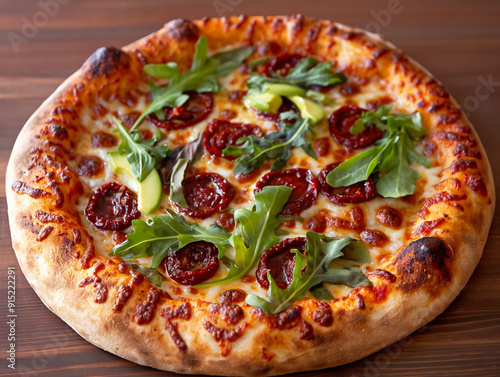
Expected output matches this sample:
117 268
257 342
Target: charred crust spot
104 60
426 227
383 274
44 233
390 217
45 217
230 313
89 280
122 296
454 137
297 25
77 236
145 311
476 183
57 193
462 150
183 311
58 131
306 331
232 296
374 237
101 293
462 164
323 314
22 188
440 198
182 30
426 260
360 302
225 337
102 139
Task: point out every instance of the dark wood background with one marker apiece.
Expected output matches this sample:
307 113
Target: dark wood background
458 41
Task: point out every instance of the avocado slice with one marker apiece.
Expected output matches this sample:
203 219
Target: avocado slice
308 108
263 101
149 191
287 90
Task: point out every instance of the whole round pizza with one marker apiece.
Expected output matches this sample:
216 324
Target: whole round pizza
249 196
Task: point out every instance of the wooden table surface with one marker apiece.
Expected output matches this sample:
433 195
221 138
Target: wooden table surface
458 41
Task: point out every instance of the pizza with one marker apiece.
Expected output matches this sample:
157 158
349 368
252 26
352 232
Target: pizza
249 196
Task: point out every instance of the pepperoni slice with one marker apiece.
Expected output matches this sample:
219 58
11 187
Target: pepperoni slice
282 64
303 183
222 133
341 122
112 207
280 262
192 264
196 108
357 193
205 194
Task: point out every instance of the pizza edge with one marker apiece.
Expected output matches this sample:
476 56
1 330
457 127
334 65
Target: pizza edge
53 265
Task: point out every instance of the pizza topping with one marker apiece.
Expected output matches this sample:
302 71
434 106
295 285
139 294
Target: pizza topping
221 134
192 264
205 194
275 145
143 155
304 188
160 234
90 166
341 122
226 220
291 77
193 111
372 237
232 296
390 217
230 313
112 207
390 158
202 77
355 193
263 106
255 231
314 268
279 262
102 139
321 146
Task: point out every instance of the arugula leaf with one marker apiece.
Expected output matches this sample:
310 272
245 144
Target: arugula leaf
202 77
176 188
275 145
320 252
154 276
305 74
142 155
255 231
389 158
160 234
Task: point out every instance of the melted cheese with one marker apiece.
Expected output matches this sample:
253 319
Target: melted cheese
373 90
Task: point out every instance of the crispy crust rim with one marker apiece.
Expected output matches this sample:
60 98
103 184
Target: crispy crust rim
57 256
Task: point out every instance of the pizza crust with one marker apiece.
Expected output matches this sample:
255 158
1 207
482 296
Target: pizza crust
57 266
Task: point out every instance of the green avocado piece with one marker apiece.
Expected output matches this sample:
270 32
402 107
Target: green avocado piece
308 108
149 191
287 90
263 101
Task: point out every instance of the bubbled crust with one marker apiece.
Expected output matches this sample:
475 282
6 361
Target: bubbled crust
90 292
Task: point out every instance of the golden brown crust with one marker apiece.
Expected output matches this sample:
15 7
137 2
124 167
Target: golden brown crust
118 310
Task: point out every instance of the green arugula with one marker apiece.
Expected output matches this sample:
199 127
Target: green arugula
202 77
254 232
275 145
176 178
316 267
160 234
154 276
306 73
265 92
142 155
390 157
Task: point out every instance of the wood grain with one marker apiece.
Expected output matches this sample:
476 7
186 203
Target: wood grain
458 41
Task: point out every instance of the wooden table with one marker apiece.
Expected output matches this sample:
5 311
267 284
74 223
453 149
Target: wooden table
459 41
